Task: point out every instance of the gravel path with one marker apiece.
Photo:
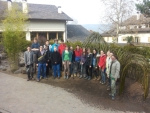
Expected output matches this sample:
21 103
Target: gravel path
20 96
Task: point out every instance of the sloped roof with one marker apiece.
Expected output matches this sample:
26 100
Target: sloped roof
77 32
134 21
41 11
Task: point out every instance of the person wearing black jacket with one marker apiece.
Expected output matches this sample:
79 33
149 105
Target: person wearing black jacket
88 64
41 62
46 48
73 59
56 60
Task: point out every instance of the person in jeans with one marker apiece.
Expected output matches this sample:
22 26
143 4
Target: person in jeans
102 66
72 60
88 65
56 58
29 60
78 53
114 75
95 64
66 60
42 58
83 59
35 48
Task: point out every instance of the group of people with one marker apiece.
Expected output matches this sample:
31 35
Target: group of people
75 62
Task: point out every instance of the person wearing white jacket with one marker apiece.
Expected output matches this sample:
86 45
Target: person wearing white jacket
114 75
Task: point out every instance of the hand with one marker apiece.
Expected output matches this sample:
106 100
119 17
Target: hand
90 66
102 69
69 63
36 64
48 60
63 63
107 76
55 62
46 64
96 67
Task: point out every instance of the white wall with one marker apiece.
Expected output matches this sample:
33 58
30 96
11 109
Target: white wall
45 25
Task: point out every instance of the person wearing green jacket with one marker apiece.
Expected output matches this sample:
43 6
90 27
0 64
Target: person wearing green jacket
66 60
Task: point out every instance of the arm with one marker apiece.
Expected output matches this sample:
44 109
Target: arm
63 56
91 59
70 56
25 58
117 74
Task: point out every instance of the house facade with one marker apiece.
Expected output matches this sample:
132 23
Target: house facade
46 21
137 26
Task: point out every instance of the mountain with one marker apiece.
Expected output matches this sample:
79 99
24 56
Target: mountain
97 27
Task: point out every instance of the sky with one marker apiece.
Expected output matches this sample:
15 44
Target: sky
83 11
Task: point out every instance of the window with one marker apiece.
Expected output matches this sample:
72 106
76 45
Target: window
148 39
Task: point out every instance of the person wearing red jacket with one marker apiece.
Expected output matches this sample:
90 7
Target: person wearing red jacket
61 48
78 53
102 66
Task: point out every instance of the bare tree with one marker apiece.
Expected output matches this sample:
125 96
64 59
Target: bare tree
116 11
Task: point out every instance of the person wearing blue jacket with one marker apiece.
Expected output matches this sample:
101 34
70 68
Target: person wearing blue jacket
54 45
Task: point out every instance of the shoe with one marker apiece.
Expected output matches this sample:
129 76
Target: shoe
113 97
38 80
28 79
67 77
108 88
110 94
100 82
59 77
75 74
42 77
80 76
89 78
98 78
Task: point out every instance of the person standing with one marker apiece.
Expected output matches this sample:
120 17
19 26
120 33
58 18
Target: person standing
29 60
102 67
95 64
72 60
88 65
82 63
78 53
42 58
56 58
61 48
66 59
114 75
35 48
55 45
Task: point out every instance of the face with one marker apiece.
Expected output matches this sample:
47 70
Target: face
71 48
102 52
35 41
47 42
28 48
94 51
83 49
108 53
113 58
111 55
89 50
66 48
78 47
41 48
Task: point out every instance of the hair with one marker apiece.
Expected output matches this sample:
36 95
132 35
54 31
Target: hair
47 40
115 56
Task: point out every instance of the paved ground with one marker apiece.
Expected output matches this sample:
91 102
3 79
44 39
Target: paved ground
20 96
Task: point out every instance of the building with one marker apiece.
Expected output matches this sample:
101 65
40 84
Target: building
44 20
137 26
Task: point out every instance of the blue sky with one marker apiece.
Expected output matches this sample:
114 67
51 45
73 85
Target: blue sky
84 11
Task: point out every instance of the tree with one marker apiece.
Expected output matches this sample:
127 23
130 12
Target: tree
144 8
129 39
116 11
13 34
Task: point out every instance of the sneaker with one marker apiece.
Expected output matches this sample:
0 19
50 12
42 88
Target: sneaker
89 78
113 97
86 77
108 88
28 79
54 77
38 80
67 77
100 82
46 78
80 76
59 77
103 82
